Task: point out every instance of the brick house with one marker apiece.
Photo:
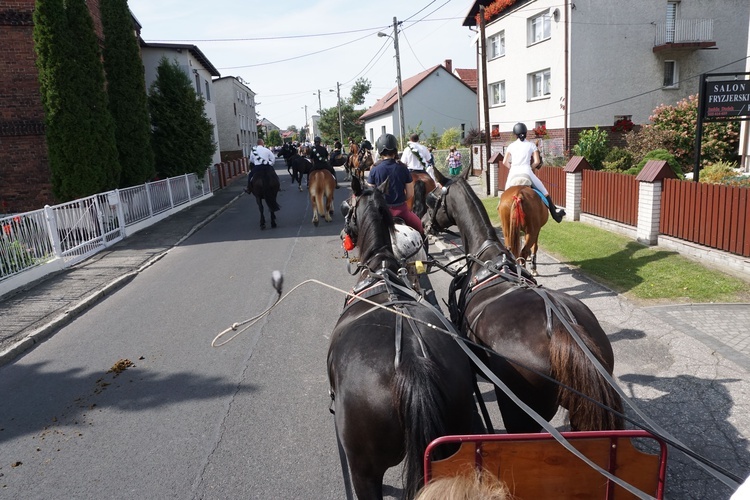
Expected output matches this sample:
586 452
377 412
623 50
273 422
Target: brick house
24 167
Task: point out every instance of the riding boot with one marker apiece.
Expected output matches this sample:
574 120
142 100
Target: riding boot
334 176
557 215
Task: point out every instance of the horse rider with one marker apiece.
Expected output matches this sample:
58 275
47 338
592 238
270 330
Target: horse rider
364 145
336 150
400 186
319 157
417 157
261 158
522 157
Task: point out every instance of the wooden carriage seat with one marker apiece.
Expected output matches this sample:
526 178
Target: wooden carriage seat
536 466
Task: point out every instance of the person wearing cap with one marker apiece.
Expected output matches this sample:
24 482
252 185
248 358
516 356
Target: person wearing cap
521 158
319 157
400 186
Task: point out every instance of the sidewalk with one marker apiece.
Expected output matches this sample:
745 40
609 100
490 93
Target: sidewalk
32 314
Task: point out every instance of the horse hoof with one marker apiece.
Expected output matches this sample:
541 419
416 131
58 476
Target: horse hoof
262 227
273 225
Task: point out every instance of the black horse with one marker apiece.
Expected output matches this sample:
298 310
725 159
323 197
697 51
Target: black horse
265 186
396 383
296 165
517 319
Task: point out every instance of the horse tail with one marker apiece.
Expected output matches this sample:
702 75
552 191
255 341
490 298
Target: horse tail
419 205
517 220
571 367
420 405
270 190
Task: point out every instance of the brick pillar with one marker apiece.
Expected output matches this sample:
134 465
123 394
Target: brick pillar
649 199
649 212
574 186
493 165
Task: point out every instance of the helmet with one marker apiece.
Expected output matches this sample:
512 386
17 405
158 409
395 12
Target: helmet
316 140
386 142
520 129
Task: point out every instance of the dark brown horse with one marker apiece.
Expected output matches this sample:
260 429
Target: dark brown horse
521 210
296 165
265 186
513 317
396 383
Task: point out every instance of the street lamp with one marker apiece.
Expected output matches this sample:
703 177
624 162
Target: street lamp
398 80
338 101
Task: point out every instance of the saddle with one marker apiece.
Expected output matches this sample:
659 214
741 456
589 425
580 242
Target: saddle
525 180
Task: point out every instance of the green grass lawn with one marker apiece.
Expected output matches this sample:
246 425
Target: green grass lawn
638 271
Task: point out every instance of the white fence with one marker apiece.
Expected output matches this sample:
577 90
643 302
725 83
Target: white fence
43 241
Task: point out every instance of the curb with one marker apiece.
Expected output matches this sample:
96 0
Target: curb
46 331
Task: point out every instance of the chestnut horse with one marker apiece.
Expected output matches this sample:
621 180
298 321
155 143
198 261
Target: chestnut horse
360 167
514 317
395 382
429 185
348 167
321 185
522 210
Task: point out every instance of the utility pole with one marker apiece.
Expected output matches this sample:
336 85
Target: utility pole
320 108
485 101
307 128
341 123
398 81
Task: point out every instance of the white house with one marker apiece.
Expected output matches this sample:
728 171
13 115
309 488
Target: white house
195 65
235 114
435 99
571 65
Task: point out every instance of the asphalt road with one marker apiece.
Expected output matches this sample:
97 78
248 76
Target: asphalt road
250 419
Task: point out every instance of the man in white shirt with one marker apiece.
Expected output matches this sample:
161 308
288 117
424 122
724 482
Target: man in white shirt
417 157
260 158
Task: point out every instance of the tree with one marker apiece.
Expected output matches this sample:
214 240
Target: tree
126 86
592 145
80 130
274 138
183 136
360 89
451 137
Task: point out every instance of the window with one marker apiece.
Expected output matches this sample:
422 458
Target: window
497 93
197 84
238 139
539 84
208 91
671 21
463 131
670 75
372 135
382 130
497 45
540 27
235 108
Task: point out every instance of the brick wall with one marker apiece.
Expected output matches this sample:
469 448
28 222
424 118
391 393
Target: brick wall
24 169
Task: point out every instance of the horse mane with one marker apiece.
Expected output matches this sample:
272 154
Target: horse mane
375 224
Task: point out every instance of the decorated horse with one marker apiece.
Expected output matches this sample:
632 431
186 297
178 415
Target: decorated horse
296 165
521 210
321 185
395 382
537 332
265 186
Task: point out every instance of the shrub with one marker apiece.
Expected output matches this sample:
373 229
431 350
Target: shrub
592 145
723 172
473 136
618 160
658 154
720 139
450 137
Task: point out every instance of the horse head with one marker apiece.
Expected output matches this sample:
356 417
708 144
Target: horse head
367 221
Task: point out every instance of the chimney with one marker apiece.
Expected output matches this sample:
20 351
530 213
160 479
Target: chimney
449 65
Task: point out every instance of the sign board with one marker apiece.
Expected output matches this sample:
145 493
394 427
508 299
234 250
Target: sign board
727 99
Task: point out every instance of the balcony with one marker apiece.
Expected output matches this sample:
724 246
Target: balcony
685 34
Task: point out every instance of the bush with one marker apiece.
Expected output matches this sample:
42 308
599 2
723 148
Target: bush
618 160
473 136
658 154
451 137
723 172
592 145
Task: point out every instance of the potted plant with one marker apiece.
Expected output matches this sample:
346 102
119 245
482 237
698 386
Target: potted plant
622 125
540 131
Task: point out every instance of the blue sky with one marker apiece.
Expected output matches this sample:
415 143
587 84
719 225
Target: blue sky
285 67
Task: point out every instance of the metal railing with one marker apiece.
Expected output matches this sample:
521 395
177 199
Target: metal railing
685 31
77 229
